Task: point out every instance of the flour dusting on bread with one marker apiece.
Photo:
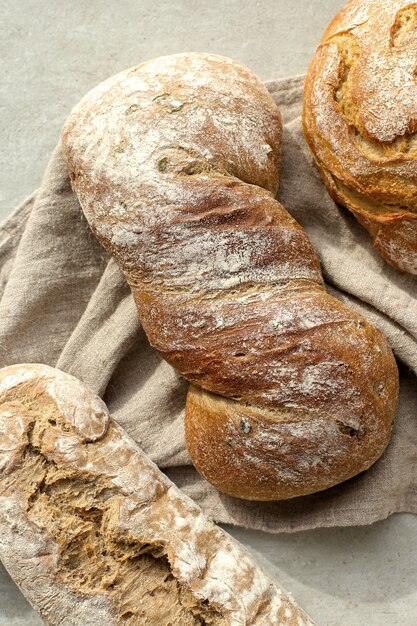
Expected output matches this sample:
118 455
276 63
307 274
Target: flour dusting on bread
177 181
91 529
360 120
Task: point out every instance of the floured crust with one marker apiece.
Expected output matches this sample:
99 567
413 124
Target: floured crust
360 120
93 532
304 415
168 164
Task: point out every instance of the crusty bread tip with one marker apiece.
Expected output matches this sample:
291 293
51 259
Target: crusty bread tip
95 535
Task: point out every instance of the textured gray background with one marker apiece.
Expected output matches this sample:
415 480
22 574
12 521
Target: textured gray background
52 53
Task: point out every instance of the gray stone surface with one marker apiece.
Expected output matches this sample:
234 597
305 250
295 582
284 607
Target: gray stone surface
52 53
346 576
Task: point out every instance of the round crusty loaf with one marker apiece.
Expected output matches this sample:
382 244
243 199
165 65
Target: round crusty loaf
92 531
360 118
176 163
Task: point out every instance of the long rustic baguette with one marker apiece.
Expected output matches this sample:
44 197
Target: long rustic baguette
94 534
176 163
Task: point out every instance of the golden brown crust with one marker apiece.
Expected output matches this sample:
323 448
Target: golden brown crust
309 410
227 285
360 120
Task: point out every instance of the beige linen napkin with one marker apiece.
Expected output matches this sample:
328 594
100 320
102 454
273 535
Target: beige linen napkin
64 303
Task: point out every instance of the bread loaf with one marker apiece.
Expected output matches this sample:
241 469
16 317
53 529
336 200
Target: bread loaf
92 531
360 119
176 164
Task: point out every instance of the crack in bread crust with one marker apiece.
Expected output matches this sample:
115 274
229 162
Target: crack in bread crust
350 58
95 556
93 532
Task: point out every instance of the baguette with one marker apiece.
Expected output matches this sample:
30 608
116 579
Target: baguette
93 533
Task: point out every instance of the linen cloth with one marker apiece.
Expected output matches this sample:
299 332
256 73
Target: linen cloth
63 302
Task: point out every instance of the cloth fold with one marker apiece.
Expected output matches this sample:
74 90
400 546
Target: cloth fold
63 302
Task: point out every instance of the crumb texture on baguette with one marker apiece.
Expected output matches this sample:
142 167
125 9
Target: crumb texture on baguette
360 120
175 163
93 532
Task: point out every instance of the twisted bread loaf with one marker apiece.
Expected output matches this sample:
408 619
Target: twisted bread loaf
360 119
176 163
94 533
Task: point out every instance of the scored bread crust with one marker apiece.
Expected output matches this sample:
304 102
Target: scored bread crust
176 163
93 532
360 120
